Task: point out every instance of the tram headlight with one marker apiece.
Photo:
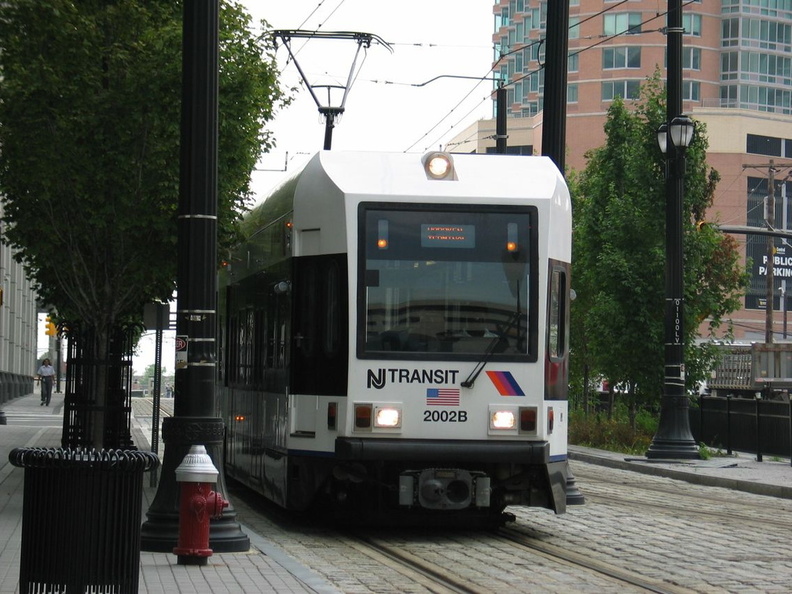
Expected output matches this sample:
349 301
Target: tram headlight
503 419
439 165
387 417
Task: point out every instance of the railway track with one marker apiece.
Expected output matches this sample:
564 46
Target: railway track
432 560
445 579
619 575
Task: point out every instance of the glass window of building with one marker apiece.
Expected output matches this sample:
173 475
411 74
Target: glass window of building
691 90
624 22
626 89
621 57
692 24
572 93
573 63
691 58
574 27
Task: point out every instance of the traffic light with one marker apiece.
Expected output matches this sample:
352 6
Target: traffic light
51 329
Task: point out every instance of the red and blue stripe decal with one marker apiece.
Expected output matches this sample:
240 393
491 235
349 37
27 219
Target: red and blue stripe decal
505 383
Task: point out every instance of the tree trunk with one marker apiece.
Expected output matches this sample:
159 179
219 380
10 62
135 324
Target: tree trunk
97 408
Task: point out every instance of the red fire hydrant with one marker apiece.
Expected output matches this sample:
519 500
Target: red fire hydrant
197 505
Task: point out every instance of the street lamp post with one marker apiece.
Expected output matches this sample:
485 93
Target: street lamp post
673 438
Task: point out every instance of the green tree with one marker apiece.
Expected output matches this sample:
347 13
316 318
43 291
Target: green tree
89 169
619 252
149 373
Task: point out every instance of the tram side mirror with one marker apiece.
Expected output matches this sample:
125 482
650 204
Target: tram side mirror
282 288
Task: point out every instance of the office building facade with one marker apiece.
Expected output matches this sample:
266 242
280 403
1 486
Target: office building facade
18 327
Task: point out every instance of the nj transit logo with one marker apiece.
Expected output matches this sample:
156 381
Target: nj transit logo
505 383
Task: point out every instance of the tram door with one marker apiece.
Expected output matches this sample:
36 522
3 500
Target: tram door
320 353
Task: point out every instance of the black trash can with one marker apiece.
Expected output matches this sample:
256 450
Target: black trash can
81 519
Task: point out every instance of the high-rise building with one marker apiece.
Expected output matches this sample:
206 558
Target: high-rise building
737 79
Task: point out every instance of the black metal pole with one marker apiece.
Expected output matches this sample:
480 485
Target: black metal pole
673 438
331 115
329 125
555 91
758 400
728 425
155 409
194 421
501 96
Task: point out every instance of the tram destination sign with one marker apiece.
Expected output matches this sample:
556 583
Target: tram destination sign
453 236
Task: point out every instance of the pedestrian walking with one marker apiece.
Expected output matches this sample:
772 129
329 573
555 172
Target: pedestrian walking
46 374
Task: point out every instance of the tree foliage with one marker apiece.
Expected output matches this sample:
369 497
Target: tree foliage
90 127
619 252
89 169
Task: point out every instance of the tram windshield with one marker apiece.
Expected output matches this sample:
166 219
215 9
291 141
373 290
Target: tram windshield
452 282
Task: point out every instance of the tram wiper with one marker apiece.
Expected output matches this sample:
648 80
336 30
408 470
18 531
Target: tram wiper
468 383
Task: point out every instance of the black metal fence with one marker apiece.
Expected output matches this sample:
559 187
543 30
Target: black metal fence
752 425
81 520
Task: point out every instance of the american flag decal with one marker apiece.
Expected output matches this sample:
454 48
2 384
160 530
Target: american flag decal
442 396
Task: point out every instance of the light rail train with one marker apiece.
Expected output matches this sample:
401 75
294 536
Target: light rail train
394 337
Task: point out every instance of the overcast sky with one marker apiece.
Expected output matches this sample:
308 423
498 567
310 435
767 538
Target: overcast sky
385 110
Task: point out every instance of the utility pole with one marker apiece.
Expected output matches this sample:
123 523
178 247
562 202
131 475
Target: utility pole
769 218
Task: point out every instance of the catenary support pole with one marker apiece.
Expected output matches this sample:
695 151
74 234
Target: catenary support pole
555 95
501 135
194 422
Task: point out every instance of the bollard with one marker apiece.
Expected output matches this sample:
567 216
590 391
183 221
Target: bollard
197 505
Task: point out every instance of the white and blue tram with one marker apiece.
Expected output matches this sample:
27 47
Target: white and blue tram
394 336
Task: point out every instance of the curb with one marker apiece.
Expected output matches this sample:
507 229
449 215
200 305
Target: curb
756 488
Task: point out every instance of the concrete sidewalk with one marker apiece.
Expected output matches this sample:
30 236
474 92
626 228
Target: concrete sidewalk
265 568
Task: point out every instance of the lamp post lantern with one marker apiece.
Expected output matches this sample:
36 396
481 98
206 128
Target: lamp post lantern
673 438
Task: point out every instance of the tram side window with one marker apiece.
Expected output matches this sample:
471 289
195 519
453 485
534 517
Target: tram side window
232 350
246 346
309 292
557 314
261 346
